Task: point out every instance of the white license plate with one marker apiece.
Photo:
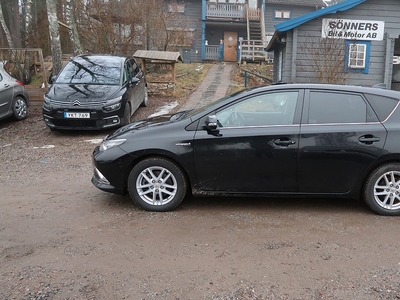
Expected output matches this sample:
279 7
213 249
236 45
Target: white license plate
77 115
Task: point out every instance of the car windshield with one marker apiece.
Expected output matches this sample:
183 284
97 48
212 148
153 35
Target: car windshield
85 70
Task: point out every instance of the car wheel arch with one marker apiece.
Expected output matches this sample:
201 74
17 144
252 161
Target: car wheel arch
127 113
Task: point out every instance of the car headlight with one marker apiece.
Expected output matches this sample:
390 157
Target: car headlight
46 103
112 104
107 144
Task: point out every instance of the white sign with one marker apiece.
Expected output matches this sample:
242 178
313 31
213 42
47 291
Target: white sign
353 29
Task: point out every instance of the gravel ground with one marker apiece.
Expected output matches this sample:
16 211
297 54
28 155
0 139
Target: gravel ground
61 238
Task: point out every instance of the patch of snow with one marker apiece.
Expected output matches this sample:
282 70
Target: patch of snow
94 141
165 109
45 147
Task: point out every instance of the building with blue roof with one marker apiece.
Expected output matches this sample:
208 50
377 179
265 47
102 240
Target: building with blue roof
353 42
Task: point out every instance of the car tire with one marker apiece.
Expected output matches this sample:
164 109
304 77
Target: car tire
145 101
127 114
157 184
382 190
20 108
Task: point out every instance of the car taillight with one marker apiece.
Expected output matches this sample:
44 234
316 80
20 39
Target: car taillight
20 82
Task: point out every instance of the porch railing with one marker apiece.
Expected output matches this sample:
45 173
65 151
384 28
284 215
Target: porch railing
252 50
212 52
253 14
225 10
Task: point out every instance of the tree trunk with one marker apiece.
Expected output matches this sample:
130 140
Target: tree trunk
5 28
28 28
73 32
54 36
16 26
27 9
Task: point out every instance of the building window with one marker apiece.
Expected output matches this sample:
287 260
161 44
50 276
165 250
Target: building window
282 14
176 8
181 37
357 53
357 56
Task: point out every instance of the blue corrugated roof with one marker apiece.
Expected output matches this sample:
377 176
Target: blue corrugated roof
341 6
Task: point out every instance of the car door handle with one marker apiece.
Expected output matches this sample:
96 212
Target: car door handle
368 139
6 85
284 142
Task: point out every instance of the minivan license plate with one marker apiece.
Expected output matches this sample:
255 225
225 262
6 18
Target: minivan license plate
77 115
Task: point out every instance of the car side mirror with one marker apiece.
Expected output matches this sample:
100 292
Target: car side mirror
212 122
52 79
135 80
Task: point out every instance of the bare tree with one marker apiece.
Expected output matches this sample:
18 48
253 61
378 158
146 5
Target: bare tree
165 25
54 36
109 26
324 58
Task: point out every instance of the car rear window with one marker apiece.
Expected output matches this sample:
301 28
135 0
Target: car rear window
382 106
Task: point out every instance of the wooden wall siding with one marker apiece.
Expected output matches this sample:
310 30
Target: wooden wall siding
269 14
193 14
377 10
288 58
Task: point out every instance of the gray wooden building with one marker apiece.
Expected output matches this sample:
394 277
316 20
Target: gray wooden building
354 42
232 30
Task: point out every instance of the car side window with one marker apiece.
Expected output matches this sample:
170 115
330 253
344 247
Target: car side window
383 106
327 107
275 108
127 71
135 68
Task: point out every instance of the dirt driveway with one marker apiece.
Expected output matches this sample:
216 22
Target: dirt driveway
61 238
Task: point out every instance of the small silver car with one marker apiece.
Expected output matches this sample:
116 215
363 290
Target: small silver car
14 99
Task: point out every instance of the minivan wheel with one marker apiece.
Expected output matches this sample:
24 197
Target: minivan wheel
145 101
157 184
127 114
20 108
382 190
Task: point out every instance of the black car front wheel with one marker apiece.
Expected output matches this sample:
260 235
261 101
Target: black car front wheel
157 184
382 190
20 108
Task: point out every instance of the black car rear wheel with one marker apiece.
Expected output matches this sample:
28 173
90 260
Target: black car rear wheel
20 108
157 184
382 190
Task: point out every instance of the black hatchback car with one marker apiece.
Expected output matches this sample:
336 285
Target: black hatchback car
281 140
95 92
